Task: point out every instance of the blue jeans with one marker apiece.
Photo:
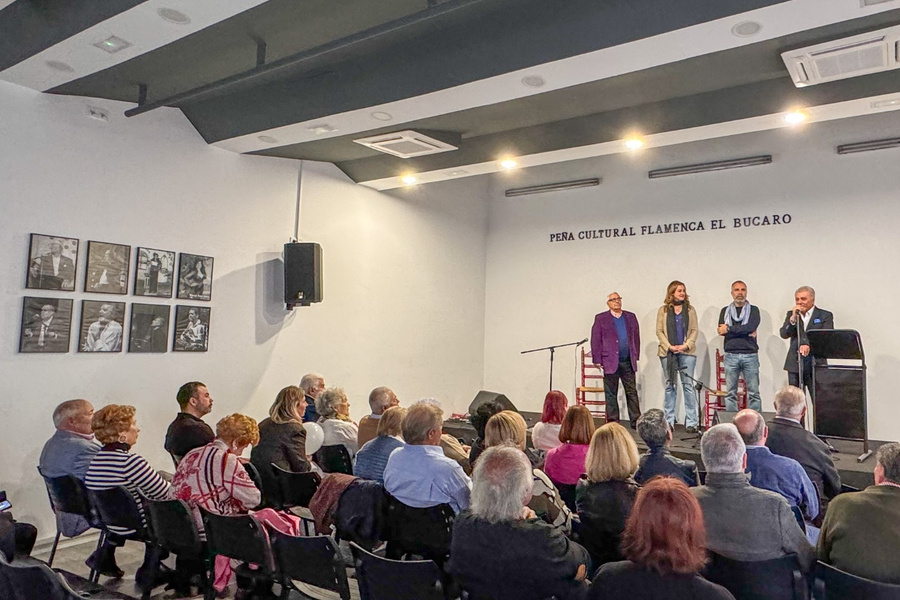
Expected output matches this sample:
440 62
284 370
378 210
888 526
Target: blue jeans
748 365
686 362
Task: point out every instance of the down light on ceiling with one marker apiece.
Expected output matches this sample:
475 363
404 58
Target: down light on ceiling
380 115
533 81
321 129
634 143
113 44
267 139
508 163
746 29
886 103
173 16
60 66
408 179
795 117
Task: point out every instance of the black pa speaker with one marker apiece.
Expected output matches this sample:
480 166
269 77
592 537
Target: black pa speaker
302 274
485 396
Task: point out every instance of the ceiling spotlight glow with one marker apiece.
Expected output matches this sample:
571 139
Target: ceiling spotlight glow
321 129
634 143
408 179
113 44
508 163
795 117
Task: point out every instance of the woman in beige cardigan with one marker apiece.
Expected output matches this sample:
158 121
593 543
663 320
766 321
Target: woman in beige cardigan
676 329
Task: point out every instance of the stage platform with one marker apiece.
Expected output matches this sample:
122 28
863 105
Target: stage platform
684 445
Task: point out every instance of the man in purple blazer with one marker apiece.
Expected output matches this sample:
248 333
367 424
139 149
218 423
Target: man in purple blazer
616 348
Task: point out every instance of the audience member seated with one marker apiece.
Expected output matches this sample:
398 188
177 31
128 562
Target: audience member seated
69 452
188 431
656 432
772 472
213 477
282 438
115 465
508 428
500 550
479 422
665 547
418 474
861 532
545 434
334 417
605 495
313 386
16 538
788 437
380 399
372 458
743 522
565 463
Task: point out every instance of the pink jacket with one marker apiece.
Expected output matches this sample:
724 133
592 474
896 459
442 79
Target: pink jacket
565 464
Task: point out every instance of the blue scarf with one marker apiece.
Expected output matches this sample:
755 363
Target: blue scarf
731 314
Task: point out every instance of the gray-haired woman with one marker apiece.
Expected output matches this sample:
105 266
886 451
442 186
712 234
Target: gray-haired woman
334 417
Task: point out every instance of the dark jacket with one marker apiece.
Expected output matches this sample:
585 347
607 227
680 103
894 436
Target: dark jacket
185 433
603 509
514 560
821 319
361 511
629 581
738 339
283 444
658 461
792 440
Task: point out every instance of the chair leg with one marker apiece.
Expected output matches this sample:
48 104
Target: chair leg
94 575
53 549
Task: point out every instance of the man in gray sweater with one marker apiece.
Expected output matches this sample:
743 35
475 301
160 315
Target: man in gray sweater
743 522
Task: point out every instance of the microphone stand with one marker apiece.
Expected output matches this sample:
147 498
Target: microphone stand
698 387
552 350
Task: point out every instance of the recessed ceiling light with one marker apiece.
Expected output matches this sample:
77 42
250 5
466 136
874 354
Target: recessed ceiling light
408 179
321 129
456 173
534 81
508 163
113 44
746 29
60 66
634 143
886 103
173 16
380 115
794 117
267 139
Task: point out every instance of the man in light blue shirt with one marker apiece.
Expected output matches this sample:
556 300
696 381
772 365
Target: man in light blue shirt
418 474
768 471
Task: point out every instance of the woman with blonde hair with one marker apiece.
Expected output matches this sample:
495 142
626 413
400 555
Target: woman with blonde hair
606 492
373 456
508 428
282 438
676 330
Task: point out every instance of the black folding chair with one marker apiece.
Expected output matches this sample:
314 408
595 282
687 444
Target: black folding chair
174 530
315 561
424 532
775 579
29 578
566 494
833 584
296 489
67 495
385 579
242 538
334 459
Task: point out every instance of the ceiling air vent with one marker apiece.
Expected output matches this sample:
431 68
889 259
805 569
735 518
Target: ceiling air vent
841 59
406 144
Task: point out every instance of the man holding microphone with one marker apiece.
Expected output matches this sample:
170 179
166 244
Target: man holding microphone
805 315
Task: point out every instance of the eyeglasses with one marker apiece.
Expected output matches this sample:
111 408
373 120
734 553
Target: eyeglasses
619 299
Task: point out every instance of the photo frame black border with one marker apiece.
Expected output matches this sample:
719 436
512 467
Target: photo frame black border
212 265
176 272
187 308
87 270
131 328
25 300
82 331
31 258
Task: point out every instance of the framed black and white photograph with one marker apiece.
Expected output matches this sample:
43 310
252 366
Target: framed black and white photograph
154 273
149 328
195 277
101 326
52 261
191 328
46 323
107 268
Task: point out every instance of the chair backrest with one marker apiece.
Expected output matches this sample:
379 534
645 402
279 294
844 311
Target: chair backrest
116 507
240 537
567 494
313 560
775 579
174 527
68 495
296 489
28 578
253 472
334 459
386 579
834 584
426 532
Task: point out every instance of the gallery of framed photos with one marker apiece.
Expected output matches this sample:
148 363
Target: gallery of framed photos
53 263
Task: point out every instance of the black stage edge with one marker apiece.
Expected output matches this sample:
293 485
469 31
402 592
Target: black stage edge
858 475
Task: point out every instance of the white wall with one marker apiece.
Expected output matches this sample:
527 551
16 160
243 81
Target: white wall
403 275
842 241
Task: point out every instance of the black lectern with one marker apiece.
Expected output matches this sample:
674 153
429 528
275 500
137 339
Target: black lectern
840 389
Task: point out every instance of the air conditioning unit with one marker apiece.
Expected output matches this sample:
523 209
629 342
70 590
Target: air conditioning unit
408 143
841 59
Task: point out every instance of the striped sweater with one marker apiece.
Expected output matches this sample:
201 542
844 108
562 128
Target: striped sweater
114 466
